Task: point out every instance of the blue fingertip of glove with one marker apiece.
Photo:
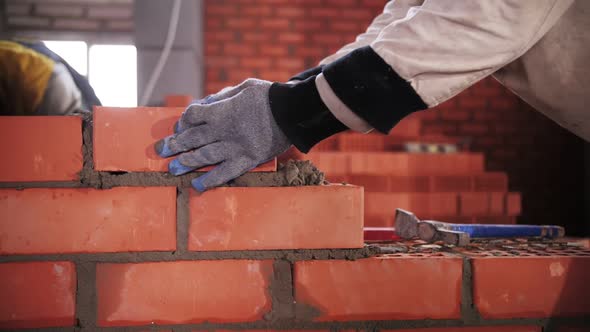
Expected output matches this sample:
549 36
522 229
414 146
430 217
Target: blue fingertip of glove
177 127
162 148
176 168
198 183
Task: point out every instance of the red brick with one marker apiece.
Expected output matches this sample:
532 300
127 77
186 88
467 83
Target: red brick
455 114
451 183
221 291
275 23
327 39
500 328
473 128
381 288
497 203
178 100
253 10
345 26
295 64
124 139
271 50
409 126
49 148
65 220
290 11
371 183
349 142
37 294
239 49
424 205
277 218
409 183
357 14
325 12
329 144
525 287
239 23
394 163
254 62
477 103
491 181
331 163
308 25
474 204
291 37
513 204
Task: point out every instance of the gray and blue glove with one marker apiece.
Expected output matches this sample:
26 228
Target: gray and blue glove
233 129
244 126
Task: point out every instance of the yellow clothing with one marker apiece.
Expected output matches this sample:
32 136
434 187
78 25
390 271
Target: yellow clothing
24 74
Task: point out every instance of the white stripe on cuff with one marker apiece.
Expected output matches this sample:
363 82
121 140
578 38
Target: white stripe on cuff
338 108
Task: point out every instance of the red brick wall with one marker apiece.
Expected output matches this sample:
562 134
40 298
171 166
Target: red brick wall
273 39
90 242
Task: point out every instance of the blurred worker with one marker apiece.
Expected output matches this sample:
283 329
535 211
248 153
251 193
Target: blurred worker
415 55
36 81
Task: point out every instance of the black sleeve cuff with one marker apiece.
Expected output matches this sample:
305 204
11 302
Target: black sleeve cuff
302 76
372 89
301 114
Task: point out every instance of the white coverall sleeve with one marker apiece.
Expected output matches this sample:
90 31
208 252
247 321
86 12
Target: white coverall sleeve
394 10
436 51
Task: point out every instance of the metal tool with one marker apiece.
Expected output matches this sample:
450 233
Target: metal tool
409 226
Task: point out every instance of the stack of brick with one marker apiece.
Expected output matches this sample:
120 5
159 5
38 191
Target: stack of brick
445 186
94 236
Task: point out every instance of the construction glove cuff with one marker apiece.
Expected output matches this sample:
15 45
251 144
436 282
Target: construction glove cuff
301 114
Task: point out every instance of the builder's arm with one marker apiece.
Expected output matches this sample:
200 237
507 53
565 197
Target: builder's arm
438 50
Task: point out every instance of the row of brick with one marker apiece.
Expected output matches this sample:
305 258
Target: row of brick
401 287
123 219
490 182
50 148
357 142
452 207
398 164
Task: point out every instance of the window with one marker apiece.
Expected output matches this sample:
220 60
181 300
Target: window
113 74
111 69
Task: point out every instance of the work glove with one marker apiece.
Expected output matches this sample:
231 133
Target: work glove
244 126
233 129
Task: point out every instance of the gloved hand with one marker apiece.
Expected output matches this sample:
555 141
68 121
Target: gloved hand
233 129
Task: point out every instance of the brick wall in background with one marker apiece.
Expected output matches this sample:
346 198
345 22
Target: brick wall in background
104 16
273 39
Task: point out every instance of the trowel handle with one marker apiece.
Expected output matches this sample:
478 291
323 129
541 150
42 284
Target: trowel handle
502 231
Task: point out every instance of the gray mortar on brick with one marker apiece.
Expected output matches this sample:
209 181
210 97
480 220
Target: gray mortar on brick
154 256
182 220
468 310
86 295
